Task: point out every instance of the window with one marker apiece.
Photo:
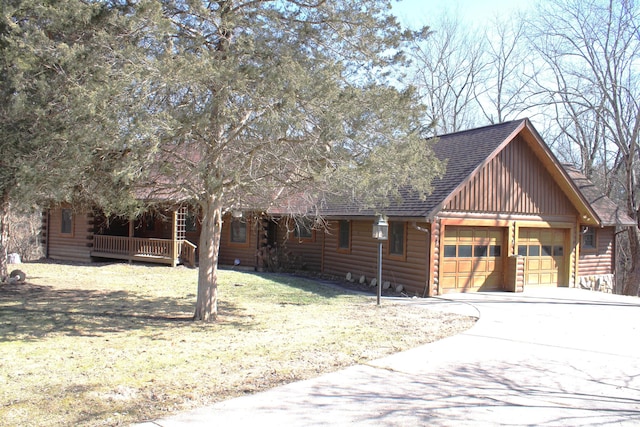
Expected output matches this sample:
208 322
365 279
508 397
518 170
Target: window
190 222
67 222
303 229
589 238
449 251
547 250
344 235
534 250
465 251
238 231
480 251
522 250
558 251
396 238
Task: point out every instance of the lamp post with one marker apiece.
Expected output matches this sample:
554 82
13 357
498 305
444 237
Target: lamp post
380 233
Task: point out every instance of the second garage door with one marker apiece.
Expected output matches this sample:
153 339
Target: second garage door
472 259
544 251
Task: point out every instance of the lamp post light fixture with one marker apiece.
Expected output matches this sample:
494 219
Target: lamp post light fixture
380 233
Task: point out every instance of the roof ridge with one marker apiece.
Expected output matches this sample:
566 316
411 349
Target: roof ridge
479 128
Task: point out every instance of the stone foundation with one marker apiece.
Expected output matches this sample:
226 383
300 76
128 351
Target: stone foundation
599 283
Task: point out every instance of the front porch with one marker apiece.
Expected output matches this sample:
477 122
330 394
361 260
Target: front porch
147 240
161 251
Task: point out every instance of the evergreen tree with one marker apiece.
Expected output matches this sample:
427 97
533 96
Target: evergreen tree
61 137
226 104
253 101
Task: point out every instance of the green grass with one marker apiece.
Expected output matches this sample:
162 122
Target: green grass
114 344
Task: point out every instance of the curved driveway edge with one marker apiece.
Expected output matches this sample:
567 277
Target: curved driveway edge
546 357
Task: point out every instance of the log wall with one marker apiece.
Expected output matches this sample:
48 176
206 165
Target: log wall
409 271
231 251
599 261
295 253
74 246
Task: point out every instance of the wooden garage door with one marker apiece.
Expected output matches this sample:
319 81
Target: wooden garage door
544 251
471 259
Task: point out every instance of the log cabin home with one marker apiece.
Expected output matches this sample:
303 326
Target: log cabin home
505 215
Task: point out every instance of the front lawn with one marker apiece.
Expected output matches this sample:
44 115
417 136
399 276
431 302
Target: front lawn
112 344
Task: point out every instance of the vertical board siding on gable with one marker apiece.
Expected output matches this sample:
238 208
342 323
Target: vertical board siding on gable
363 258
599 261
70 247
513 181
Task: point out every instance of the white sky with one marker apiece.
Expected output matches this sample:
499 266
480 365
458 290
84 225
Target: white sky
416 13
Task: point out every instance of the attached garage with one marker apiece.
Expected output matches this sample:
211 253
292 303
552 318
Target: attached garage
472 259
544 251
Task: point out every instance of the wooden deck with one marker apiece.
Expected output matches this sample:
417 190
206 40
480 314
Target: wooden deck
161 251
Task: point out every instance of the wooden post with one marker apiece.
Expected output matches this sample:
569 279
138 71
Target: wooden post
130 241
174 238
431 259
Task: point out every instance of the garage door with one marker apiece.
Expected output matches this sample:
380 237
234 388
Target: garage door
472 259
544 251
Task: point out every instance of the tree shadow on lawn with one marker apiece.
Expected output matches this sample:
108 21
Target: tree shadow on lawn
31 312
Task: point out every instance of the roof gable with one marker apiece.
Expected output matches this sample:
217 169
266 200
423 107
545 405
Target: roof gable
525 130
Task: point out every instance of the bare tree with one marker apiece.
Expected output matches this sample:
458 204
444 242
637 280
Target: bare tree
591 50
502 93
448 67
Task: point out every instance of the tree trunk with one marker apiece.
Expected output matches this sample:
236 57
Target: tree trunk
207 302
631 284
4 234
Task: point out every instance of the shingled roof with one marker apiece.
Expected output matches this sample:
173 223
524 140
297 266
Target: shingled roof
466 152
609 213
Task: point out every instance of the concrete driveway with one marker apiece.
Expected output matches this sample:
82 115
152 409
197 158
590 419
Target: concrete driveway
548 357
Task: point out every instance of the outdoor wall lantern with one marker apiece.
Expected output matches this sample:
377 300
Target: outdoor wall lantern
380 233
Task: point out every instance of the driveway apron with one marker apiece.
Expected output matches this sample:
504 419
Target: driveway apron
546 357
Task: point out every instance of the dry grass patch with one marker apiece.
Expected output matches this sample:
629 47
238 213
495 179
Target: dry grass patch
114 344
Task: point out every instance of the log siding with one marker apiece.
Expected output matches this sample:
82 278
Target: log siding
299 253
599 261
74 246
410 271
233 252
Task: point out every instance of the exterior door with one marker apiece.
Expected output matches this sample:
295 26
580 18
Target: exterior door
472 259
544 252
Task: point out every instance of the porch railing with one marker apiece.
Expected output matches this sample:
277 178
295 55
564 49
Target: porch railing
156 250
188 253
129 247
112 245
